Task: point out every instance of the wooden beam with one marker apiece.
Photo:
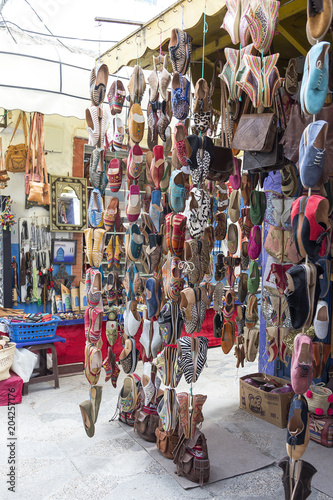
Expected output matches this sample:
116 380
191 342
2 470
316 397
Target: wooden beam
292 39
211 47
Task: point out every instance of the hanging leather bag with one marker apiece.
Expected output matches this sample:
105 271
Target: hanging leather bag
16 154
255 132
222 165
267 161
36 184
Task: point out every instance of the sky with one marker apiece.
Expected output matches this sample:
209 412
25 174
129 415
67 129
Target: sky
75 18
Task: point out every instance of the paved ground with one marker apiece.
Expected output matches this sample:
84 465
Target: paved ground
56 460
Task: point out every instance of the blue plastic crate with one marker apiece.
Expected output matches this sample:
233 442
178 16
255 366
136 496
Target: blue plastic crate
23 332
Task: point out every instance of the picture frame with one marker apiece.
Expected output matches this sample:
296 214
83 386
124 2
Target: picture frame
69 204
63 251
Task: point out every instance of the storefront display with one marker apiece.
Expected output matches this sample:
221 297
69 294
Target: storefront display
192 227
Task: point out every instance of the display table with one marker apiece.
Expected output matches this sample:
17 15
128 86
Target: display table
71 354
44 375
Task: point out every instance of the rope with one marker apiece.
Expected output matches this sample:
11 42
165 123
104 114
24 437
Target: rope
205 29
99 42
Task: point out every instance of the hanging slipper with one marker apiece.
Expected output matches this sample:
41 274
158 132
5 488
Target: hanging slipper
86 409
93 125
116 96
157 166
135 163
118 134
115 174
137 85
136 123
98 83
149 160
182 145
95 169
167 145
163 122
133 207
110 214
164 79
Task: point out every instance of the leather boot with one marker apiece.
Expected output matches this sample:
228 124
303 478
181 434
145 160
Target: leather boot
287 478
304 473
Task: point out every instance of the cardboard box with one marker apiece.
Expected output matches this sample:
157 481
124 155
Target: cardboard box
273 408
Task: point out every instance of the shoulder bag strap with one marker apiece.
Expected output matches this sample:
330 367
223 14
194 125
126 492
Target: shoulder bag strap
16 127
43 163
2 167
25 126
31 134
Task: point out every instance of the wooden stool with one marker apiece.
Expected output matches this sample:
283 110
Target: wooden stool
45 375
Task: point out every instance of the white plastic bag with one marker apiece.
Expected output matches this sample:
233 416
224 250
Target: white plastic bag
24 364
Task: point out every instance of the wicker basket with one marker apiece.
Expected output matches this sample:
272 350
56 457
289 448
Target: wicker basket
6 360
319 398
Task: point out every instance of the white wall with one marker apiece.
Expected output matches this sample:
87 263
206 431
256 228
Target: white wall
58 131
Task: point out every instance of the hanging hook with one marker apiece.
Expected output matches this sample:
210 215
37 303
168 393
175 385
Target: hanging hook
161 20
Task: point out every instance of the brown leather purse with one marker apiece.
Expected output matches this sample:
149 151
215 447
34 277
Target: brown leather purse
193 468
255 132
165 441
16 154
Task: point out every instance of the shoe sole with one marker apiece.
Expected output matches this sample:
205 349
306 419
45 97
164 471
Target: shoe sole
307 62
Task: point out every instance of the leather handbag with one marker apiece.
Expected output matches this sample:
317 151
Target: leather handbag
255 132
146 422
166 442
222 165
259 161
193 468
16 154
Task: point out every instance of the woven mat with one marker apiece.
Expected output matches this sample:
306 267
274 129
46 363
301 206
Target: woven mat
229 456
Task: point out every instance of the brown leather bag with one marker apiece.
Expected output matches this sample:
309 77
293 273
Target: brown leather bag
193 468
146 423
255 132
222 166
16 154
165 441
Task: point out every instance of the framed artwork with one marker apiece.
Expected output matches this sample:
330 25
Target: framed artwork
63 251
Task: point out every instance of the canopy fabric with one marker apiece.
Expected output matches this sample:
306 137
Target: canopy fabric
44 78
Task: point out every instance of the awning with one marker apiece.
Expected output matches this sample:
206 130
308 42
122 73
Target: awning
44 78
289 41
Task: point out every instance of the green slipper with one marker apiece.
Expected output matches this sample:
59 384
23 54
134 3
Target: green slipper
96 397
87 416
